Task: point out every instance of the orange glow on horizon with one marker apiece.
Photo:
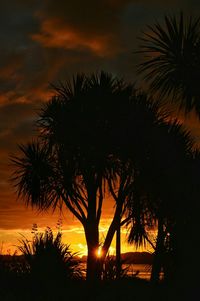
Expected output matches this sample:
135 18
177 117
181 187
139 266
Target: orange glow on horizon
74 236
72 231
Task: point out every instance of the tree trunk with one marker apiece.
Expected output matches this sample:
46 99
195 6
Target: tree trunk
111 231
109 237
92 235
118 249
158 255
92 238
95 264
93 271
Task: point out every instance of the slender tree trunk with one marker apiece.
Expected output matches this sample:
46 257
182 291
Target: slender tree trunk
118 249
111 231
158 255
109 237
92 238
92 235
95 264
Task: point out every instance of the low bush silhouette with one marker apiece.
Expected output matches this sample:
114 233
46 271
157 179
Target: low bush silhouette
48 260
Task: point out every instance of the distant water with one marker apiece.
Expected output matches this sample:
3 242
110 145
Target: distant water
142 271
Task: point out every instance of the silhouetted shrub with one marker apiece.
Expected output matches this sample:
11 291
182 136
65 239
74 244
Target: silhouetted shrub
48 260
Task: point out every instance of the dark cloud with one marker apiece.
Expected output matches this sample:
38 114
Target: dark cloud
92 17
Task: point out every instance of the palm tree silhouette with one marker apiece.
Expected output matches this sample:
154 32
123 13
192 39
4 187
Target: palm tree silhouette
98 132
74 154
92 134
143 117
158 192
171 60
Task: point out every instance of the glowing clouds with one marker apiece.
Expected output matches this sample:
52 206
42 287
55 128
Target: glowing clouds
54 34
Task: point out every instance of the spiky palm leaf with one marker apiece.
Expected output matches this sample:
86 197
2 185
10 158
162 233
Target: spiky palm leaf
80 122
171 62
35 176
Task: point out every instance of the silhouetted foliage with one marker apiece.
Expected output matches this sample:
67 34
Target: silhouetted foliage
72 158
171 60
99 135
48 260
79 152
170 63
110 269
161 189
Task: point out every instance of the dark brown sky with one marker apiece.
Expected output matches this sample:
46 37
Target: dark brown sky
46 41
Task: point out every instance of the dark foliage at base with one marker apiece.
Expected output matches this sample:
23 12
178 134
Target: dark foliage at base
23 288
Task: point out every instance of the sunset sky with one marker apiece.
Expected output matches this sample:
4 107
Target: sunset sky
46 41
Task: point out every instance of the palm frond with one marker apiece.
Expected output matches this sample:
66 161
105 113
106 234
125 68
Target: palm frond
171 61
35 176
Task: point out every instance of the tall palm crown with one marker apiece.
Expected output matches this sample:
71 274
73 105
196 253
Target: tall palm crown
171 62
74 154
75 142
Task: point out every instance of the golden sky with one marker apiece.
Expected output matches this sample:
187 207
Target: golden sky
46 41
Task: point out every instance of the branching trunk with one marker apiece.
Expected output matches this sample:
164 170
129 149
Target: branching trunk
115 227
111 230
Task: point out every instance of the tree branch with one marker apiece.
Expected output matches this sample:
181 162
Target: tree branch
111 230
150 242
75 201
72 209
99 204
82 199
125 221
112 190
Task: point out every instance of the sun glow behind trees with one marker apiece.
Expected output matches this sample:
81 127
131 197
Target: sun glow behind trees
99 252
72 234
